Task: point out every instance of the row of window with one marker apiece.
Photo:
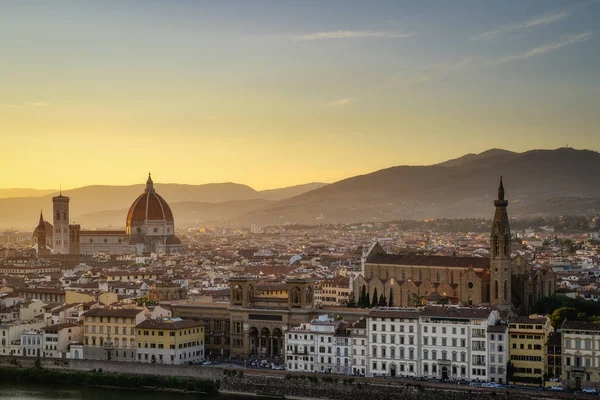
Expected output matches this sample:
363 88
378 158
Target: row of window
109 320
569 344
113 331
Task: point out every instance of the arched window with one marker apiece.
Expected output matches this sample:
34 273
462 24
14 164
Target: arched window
495 245
505 289
496 288
437 276
507 246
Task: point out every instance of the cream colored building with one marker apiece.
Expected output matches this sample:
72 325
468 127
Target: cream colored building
109 334
580 357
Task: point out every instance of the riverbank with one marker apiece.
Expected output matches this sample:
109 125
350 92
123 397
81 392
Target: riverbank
99 378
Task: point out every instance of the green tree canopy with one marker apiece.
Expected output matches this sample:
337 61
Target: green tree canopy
560 314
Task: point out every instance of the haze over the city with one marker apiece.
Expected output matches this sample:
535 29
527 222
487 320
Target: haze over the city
273 94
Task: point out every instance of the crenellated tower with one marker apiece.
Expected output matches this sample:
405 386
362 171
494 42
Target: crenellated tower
500 250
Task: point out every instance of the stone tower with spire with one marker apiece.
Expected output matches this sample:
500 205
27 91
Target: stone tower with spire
60 205
43 251
500 263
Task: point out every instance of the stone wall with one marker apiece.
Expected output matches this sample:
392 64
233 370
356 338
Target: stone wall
188 371
340 388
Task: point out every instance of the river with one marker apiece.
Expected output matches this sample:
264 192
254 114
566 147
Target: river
38 392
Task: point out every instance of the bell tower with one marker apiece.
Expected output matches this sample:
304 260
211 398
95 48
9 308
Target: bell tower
60 205
500 272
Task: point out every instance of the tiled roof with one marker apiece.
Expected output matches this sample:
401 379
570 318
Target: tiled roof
429 261
580 326
456 312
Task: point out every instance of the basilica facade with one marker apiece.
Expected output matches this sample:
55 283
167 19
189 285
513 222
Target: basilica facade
509 284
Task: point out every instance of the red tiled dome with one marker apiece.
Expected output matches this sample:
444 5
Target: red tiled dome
149 206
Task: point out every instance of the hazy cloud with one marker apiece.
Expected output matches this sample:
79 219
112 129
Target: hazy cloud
338 103
531 23
30 104
546 48
352 35
427 73
432 71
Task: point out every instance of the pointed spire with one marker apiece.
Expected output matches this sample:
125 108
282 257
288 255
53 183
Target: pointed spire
41 224
501 190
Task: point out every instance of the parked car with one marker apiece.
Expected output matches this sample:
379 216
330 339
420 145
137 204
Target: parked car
589 391
557 388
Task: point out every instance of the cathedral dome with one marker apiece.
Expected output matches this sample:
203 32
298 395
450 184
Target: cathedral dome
149 206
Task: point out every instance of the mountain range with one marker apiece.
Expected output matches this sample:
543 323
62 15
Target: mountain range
563 181
106 206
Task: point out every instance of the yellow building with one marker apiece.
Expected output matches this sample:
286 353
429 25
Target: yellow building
528 338
170 341
336 291
109 334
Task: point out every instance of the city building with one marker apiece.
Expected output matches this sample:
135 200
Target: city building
498 352
554 357
170 341
580 351
334 292
109 334
454 342
527 348
359 347
58 338
393 348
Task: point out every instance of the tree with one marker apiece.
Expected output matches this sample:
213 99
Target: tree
560 314
391 299
443 300
375 298
351 301
415 300
382 301
365 298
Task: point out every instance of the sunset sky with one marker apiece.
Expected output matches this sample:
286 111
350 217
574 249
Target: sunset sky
278 93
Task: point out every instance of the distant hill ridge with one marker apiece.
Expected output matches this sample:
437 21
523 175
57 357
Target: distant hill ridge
22 212
563 181
463 187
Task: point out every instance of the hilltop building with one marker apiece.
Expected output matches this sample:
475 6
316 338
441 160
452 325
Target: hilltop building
510 285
